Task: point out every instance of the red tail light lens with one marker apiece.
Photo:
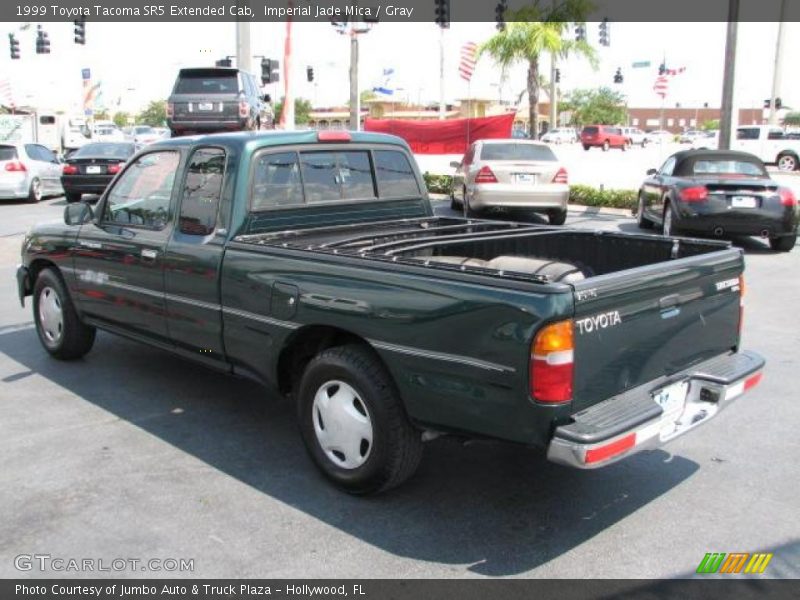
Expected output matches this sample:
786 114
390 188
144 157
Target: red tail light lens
694 194
170 109
69 170
551 364
561 176
610 450
485 175
787 197
15 167
244 110
112 169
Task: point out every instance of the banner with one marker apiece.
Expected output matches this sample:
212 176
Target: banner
444 137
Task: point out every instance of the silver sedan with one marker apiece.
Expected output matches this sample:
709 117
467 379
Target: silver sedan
511 175
28 171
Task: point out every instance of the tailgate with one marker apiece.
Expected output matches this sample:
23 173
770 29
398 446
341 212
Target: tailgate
637 325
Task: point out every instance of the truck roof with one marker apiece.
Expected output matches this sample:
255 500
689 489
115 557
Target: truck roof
260 139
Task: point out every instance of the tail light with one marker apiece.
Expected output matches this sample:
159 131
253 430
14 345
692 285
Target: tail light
485 175
69 170
787 197
333 136
15 166
170 109
113 169
610 450
694 194
561 176
741 303
244 110
551 364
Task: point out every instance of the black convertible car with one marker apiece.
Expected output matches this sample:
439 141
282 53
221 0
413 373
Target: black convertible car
719 193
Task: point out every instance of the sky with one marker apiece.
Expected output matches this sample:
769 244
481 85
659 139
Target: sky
137 62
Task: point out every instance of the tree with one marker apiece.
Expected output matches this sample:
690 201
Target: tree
534 31
367 95
154 115
710 125
100 115
602 106
792 118
121 119
302 109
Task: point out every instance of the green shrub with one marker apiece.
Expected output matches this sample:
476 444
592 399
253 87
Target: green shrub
437 184
591 196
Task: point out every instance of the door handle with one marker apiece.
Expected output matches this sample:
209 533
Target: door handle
149 254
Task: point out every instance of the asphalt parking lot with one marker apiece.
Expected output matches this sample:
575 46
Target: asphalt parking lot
134 453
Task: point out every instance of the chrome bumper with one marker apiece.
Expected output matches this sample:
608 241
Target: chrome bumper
639 422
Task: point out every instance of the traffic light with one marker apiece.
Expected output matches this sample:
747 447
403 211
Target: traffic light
500 15
310 74
605 40
13 46
580 33
778 103
618 78
558 75
662 68
80 31
269 71
442 12
42 41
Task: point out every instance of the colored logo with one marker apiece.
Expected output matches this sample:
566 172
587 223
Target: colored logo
735 562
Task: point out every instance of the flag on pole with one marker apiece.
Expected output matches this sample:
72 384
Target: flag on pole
469 57
385 86
661 86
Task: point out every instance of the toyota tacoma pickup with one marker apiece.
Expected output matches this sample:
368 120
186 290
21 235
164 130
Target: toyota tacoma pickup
313 262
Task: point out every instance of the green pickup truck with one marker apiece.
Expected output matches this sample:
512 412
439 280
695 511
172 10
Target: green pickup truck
313 262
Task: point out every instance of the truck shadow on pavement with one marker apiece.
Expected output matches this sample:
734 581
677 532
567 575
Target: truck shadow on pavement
492 508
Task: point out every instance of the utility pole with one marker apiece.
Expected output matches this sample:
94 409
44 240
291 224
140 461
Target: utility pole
355 99
441 73
553 93
777 73
726 121
243 59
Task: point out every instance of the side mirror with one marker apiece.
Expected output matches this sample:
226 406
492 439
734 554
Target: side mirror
651 171
78 214
455 164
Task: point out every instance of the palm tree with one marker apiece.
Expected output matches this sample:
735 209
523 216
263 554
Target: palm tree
527 40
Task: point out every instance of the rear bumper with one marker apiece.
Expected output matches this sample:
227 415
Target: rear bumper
83 184
15 187
634 421
207 126
549 195
739 222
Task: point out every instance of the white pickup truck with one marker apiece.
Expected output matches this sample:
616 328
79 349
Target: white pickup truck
767 142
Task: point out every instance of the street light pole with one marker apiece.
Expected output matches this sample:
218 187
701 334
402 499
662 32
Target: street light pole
726 121
777 73
553 93
355 100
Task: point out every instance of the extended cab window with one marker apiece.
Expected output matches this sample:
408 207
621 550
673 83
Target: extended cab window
142 194
747 133
338 175
276 181
394 174
201 191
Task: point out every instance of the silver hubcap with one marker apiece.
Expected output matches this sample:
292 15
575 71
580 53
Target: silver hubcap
786 163
342 425
37 188
668 221
51 317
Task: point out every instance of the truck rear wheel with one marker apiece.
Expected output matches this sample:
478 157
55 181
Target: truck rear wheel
60 329
353 423
557 216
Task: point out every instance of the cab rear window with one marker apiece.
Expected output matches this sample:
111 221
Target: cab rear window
517 152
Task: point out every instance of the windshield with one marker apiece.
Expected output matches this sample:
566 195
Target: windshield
146 129
120 151
516 152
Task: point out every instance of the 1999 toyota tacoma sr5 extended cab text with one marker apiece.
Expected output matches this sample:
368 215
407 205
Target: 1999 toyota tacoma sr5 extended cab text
313 262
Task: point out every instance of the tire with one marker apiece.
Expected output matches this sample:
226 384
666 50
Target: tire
641 220
787 162
606 146
469 213
557 216
350 387
73 196
644 143
454 205
627 146
667 225
783 244
585 147
35 191
59 328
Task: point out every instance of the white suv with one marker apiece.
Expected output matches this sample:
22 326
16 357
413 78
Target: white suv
635 135
560 135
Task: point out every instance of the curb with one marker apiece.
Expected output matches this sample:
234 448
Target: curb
575 209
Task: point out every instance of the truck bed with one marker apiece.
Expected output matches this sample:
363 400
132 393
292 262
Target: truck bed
491 248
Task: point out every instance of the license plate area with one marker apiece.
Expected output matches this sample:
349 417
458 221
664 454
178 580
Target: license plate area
525 178
743 202
672 398
94 170
205 106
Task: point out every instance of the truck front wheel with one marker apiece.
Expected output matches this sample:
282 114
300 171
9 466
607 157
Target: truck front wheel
353 423
60 329
787 162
